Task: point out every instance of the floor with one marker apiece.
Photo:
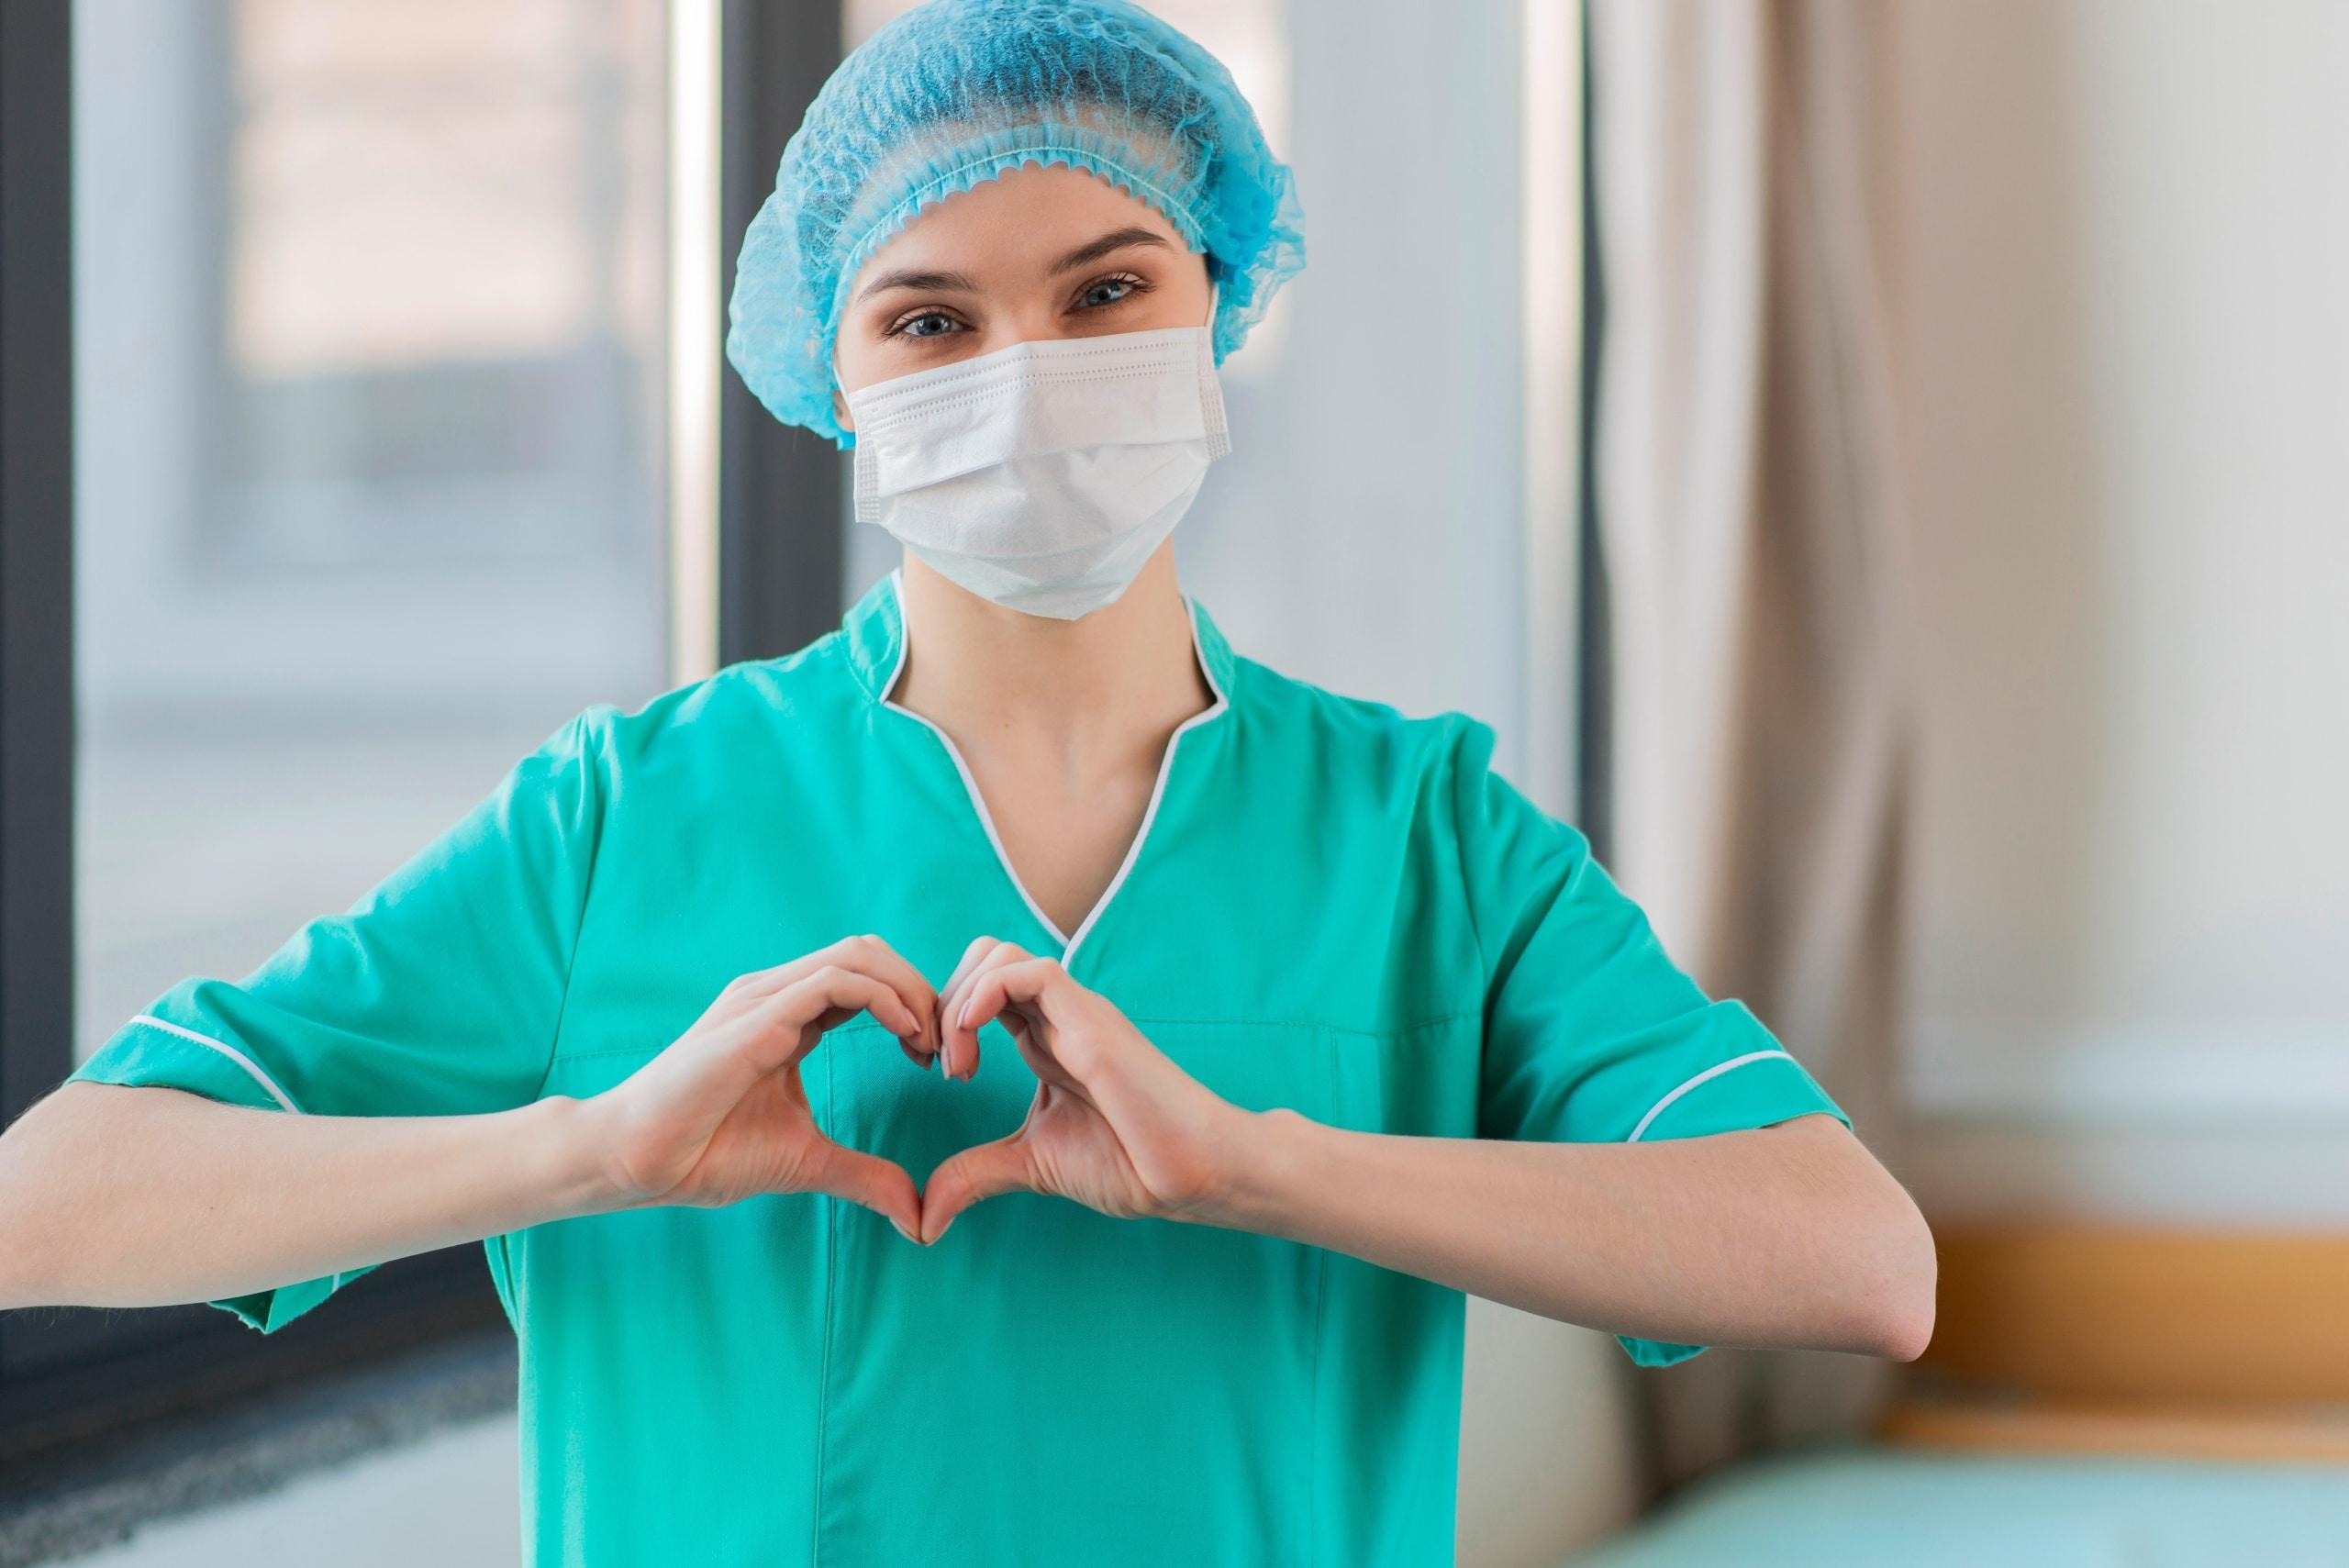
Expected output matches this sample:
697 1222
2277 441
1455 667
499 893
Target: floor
364 1514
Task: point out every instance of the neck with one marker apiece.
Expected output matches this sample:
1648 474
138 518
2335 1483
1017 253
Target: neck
1088 687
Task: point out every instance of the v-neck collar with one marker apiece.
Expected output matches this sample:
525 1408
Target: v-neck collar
874 628
874 631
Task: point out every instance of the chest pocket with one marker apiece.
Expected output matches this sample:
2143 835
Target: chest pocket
1257 1066
1421 1079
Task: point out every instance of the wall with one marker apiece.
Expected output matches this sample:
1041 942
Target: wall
2125 348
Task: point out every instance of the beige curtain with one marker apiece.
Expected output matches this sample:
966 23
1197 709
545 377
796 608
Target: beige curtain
1748 518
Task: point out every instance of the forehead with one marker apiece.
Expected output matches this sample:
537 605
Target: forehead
1016 225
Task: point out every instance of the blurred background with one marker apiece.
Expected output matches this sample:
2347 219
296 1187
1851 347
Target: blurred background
1877 463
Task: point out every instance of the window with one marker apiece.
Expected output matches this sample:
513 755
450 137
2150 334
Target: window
369 434
345 479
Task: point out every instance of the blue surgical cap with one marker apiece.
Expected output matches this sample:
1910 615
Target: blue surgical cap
956 92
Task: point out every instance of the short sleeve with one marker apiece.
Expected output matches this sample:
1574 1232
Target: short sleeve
437 993
1592 1033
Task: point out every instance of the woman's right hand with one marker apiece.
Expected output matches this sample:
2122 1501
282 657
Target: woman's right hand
720 1114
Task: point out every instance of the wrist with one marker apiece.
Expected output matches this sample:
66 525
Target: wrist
1258 1156
578 1180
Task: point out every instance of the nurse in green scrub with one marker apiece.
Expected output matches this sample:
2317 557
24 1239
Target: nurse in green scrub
1016 1080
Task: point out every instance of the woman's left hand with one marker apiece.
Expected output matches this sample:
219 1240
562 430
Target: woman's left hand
1114 1125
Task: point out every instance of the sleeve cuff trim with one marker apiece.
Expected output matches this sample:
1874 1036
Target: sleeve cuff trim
1715 1070
231 1052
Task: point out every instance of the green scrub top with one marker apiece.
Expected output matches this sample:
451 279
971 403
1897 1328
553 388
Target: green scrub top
1330 906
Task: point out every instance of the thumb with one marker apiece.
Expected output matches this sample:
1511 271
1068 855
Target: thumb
982 1171
881 1185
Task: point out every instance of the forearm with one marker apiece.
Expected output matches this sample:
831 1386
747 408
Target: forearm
1790 1235
113 1196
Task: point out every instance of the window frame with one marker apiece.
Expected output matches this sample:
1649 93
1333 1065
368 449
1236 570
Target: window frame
781 496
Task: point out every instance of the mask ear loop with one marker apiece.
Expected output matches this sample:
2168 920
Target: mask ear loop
1218 431
866 480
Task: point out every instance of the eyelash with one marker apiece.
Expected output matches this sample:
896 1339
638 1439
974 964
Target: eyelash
1134 286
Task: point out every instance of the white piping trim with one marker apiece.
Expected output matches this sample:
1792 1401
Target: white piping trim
970 785
230 1051
1166 765
1715 1070
263 1079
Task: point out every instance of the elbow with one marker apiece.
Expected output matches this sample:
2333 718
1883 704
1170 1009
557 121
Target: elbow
18 1288
1903 1335
25 1280
1873 1269
29 1243
1899 1277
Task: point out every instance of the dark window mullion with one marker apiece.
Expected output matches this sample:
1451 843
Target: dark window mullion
36 551
779 499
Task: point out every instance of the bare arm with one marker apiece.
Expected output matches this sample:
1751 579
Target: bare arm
117 1195
1786 1235
113 1196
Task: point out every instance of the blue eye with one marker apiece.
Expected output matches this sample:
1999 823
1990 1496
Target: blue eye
1104 291
919 326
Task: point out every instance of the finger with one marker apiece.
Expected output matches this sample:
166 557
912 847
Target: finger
1071 1056
962 1027
881 1185
982 1171
786 1026
980 953
870 953
971 957
980 947
1025 983
753 986
867 953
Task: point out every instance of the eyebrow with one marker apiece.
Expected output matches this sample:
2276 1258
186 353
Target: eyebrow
1116 240
1093 251
910 278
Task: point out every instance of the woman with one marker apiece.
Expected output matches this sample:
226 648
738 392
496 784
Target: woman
1244 1026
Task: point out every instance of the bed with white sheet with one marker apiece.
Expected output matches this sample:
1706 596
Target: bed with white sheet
1876 1507
2094 1398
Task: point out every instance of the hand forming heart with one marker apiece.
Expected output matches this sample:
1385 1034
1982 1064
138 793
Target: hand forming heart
721 1114
1114 1125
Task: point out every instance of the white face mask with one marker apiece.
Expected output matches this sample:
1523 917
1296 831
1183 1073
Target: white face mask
1044 474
